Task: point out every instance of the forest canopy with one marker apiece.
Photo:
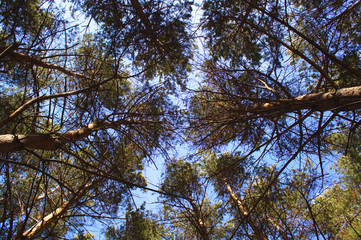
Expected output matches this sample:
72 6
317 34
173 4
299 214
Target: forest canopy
235 119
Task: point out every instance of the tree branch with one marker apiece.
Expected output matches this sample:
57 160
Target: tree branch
35 100
345 99
356 72
242 210
21 57
34 230
17 142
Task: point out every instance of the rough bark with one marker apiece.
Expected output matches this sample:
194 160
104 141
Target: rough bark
242 210
50 142
344 99
17 142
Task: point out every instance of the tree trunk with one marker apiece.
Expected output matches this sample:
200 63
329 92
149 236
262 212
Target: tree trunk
277 227
344 99
260 235
202 229
21 57
57 213
18 142
147 24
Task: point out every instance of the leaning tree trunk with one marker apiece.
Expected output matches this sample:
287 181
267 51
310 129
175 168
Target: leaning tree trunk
58 212
200 224
242 210
344 99
277 227
51 142
17 142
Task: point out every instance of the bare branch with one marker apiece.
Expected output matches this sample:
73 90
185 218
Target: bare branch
35 100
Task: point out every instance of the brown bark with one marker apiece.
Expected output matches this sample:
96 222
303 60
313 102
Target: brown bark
57 213
344 99
277 227
17 142
242 210
147 24
201 227
21 57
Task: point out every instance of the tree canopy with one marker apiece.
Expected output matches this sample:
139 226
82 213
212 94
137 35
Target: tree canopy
249 110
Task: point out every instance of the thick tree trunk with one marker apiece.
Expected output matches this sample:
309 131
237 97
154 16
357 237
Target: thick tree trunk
260 235
344 99
18 142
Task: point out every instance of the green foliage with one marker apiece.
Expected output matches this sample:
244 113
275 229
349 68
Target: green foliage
152 34
27 21
229 167
84 236
338 206
229 37
349 164
281 210
93 177
107 94
190 211
182 179
139 224
337 211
